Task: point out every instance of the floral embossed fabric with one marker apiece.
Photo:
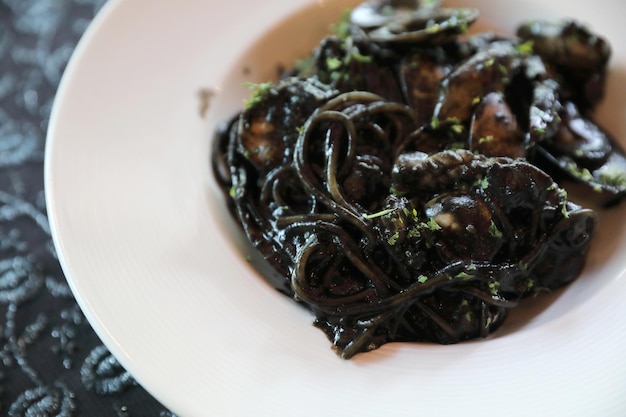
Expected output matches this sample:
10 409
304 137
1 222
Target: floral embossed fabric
51 361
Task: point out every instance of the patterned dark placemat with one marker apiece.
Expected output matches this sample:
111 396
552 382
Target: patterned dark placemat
51 361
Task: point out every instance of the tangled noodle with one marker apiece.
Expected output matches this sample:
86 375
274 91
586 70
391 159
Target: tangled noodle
392 222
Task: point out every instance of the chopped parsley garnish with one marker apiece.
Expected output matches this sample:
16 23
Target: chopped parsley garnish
464 276
482 183
613 176
379 213
582 173
393 239
259 91
494 231
433 225
458 128
333 63
526 48
493 287
357 56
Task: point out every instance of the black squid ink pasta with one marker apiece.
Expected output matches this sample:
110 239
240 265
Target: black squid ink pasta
406 180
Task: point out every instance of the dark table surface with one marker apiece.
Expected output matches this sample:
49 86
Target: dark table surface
51 361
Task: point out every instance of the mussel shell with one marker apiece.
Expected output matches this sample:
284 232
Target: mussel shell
424 25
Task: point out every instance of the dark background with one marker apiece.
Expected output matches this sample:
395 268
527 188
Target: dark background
51 361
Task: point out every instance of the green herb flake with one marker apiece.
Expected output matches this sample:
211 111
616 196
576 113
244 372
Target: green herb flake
333 63
494 231
493 287
433 225
337 76
464 276
414 233
526 48
379 214
422 279
464 26
613 176
393 239
360 58
394 191
432 27
454 120
259 91
482 183
458 128
434 123
552 187
582 173
468 316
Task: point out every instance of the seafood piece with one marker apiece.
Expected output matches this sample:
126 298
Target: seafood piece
583 152
487 71
433 26
373 14
494 130
421 74
567 44
496 210
355 64
578 56
258 145
264 133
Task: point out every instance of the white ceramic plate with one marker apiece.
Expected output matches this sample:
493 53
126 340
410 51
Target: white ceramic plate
157 267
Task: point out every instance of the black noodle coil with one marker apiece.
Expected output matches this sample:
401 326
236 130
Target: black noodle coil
390 229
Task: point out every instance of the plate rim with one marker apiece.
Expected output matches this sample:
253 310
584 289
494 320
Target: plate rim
108 339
